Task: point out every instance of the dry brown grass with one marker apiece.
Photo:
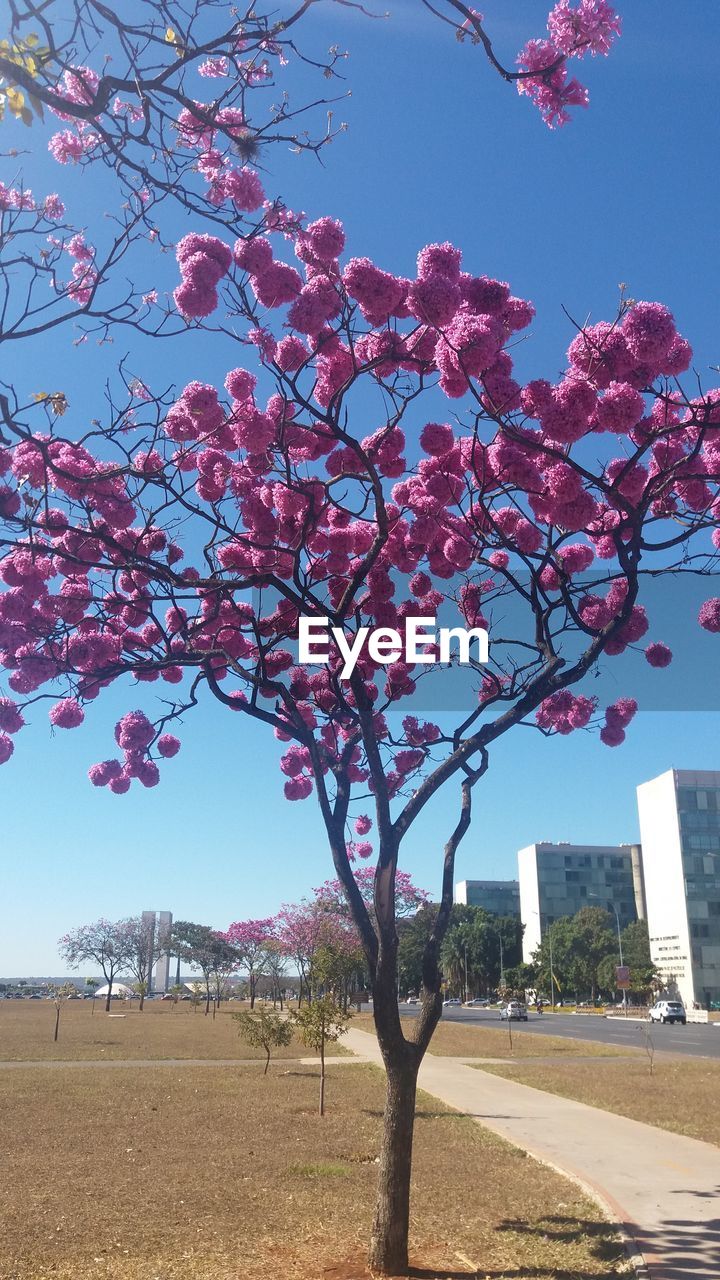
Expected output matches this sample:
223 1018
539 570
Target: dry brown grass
453 1040
679 1096
162 1030
198 1174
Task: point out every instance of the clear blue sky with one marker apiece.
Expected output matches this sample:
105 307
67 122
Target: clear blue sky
437 148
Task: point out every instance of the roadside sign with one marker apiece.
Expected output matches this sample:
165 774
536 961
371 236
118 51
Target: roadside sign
622 977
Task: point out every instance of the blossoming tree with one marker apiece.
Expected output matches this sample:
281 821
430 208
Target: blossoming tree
374 458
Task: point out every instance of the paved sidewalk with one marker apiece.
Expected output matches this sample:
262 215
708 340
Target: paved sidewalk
661 1188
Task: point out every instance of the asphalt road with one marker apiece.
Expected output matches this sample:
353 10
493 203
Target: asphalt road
695 1040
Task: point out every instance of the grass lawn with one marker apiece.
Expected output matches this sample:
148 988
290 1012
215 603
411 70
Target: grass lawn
680 1096
162 1030
198 1174
452 1040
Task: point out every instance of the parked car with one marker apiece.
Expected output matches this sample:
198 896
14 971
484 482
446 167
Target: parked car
514 1011
668 1011
477 1003
412 1000
453 1000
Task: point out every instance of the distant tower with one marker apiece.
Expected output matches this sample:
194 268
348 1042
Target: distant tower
160 923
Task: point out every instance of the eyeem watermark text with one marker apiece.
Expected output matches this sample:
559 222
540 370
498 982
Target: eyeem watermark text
420 642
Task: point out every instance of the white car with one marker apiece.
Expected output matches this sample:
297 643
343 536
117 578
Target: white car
668 1011
477 1003
514 1011
453 1000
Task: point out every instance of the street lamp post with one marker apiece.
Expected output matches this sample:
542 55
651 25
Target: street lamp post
467 997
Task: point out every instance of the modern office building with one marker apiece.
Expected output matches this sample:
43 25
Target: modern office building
558 879
499 897
680 830
160 923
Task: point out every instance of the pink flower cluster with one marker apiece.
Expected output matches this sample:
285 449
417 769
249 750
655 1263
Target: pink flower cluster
134 734
590 26
563 712
617 719
84 275
203 261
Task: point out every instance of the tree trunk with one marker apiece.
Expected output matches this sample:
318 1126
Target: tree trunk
389 1239
267 1061
322 1074
109 996
57 1022
252 991
142 1001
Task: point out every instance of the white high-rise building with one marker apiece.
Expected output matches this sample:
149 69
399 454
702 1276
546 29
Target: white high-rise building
680 830
557 880
158 925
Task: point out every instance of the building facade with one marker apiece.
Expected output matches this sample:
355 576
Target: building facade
158 925
559 879
680 830
499 897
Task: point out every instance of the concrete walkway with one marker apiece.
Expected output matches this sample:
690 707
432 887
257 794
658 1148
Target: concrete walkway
662 1189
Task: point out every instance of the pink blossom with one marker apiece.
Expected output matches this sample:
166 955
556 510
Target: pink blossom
168 745
253 254
321 242
709 615
53 208
437 438
552 92
244 188
134 731
434 299
363 824
588 27
439 260
11 717
67 147
214 68
564 711
658 654
298 788
67 714
277 285
620 408
6 748
649 331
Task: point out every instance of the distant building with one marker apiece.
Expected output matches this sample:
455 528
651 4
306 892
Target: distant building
680 830
559 879
499 897
160 923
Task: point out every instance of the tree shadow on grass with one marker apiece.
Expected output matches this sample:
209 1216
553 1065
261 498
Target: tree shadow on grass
682 1247
568 1231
